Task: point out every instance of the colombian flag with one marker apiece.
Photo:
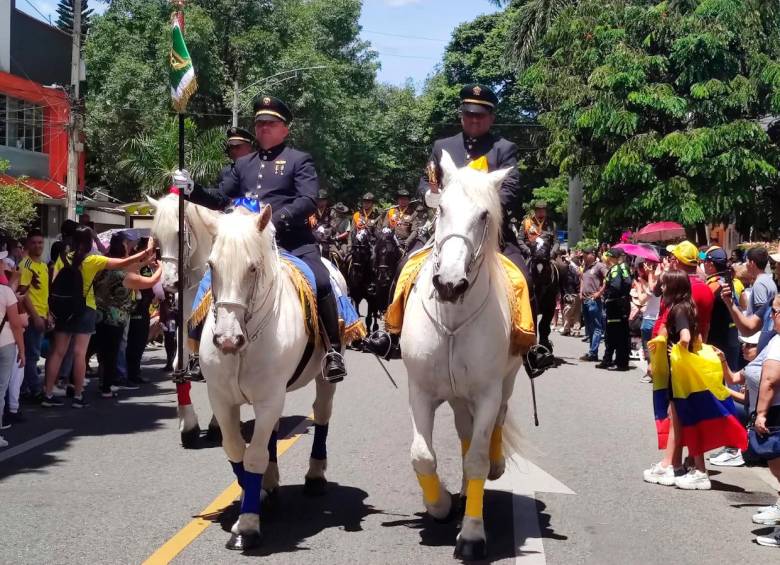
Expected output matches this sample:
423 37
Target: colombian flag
705 408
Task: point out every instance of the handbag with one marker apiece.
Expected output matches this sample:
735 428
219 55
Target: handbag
766 446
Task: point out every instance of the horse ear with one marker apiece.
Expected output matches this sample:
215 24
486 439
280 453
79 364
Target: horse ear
151 201
265 217
209 221
448 167
497 177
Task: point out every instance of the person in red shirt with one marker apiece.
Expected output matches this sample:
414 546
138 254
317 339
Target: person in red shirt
685 257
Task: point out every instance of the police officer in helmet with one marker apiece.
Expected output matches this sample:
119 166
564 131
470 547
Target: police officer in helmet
285 179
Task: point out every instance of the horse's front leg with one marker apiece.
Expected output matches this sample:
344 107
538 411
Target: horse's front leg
464 425
315 482
436 498
496 452
471 539
246 531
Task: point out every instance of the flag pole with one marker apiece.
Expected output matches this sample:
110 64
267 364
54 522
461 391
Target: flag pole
180 267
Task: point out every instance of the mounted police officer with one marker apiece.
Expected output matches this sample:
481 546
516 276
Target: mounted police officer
476 147
285 178
535 225
368 217
400 218
341 226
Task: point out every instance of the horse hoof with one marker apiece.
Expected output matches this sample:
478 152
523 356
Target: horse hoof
214 434
316 486
468 550
244 542
189 438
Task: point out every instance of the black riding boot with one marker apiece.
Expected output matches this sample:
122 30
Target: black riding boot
192 372
329 315
383 344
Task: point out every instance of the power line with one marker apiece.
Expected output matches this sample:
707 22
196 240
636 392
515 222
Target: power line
406 36
34 7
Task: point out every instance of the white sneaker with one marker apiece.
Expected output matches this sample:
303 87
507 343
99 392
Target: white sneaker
772 540
3 442
659 475
768 516
693 480
729 457
58 392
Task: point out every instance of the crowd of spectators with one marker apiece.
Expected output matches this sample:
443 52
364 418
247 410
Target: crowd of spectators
692 296
108 298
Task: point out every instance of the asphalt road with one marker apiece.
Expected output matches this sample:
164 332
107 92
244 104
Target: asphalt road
111 484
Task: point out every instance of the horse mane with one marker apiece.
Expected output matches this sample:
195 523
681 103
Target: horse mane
239 243
476 187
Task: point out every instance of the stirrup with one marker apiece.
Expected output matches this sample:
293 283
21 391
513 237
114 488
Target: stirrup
371 339
193 372
538 359
338 358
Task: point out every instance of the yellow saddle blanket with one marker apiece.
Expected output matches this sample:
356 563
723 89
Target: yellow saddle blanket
523 334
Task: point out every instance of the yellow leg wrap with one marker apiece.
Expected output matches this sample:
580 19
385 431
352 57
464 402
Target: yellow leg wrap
464 446
430 488
496 452
475 492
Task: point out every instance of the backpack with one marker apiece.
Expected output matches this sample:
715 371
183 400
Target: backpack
66 296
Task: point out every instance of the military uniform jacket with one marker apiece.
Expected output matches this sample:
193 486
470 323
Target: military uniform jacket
499 154
283 177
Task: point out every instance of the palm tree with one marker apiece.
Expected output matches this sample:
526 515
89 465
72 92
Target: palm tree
151 158
530 22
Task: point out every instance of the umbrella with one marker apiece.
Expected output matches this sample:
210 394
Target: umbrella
640 251
660 231
133 234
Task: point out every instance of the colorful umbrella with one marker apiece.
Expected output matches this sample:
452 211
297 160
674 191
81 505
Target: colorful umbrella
660 231
646 253
133 234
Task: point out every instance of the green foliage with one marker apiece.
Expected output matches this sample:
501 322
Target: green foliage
17 206
657 107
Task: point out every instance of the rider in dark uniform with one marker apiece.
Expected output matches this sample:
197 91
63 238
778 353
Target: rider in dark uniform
400 218
477 147
238 143
368 217
285 178
534 226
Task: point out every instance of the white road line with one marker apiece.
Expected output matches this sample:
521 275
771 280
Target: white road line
524 479
31 444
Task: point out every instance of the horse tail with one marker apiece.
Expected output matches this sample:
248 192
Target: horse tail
512 440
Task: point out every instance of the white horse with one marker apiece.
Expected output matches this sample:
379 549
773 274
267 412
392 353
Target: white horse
198 241
455 344
250 349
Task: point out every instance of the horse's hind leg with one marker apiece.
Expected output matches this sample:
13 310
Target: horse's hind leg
496 452
464 425
437 500
547 310
318 462
471 539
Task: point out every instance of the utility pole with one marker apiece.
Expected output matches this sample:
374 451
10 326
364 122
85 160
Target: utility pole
575 210
235 102
74 119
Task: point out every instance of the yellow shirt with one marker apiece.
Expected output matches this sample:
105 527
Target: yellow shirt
738 288
39 297
90 267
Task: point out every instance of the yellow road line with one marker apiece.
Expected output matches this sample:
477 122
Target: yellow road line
209 515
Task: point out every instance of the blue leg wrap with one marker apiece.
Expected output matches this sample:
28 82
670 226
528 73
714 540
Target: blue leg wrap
272 447
238 471
319 450
250 504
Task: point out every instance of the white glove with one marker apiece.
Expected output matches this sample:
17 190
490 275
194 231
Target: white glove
432 199
183 181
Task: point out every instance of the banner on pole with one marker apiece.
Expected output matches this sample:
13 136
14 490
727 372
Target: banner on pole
181 73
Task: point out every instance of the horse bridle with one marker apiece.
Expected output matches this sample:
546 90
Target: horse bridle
477 255
249 307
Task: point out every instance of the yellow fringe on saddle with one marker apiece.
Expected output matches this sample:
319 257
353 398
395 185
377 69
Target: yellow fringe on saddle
306 298
353 332
196 318
523 334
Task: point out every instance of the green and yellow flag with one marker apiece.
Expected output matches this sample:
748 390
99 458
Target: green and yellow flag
181 73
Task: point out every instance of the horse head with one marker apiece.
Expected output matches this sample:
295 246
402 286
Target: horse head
244 265
469 222
200 224
386 254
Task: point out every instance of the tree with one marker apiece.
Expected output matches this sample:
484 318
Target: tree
657 108
17 206
65 17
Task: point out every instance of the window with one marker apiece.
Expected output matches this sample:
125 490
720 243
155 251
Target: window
21 124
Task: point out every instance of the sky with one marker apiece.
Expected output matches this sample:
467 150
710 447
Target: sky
409 35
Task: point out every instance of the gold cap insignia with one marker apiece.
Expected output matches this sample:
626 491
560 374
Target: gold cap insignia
266 101
477 91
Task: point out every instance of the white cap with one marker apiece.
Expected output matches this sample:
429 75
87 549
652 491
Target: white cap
775 256
3 255
751 339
